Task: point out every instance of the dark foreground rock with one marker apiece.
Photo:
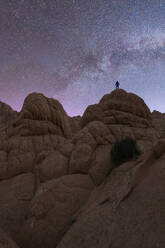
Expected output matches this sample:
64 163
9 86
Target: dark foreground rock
128 210
59 187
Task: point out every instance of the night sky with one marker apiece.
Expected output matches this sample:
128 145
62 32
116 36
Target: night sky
75 50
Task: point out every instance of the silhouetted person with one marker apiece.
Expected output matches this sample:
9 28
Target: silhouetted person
117 85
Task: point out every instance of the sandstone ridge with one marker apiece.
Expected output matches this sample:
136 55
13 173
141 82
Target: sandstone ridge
58 185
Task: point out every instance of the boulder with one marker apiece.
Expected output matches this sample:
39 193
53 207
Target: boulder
127 209
23 154
53 166
101 165
53 209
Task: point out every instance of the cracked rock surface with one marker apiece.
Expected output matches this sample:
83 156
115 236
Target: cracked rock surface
58 186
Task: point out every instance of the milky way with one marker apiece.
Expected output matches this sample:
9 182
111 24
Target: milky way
75 50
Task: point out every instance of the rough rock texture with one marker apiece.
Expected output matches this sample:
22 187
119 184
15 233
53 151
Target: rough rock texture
5 241
7 115
75 123
15 196
159 122
53 208
56 172
128 209
125 114
41 115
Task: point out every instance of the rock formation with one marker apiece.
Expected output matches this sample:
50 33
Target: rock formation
127 210
159 122
59 187
7 117
41 115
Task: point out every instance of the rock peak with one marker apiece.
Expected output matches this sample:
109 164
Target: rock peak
119 107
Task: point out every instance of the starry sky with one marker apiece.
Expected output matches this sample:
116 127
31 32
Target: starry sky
75 50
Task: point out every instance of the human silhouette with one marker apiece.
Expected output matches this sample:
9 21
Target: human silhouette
117 85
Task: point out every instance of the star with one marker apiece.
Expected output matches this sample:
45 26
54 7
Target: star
76 50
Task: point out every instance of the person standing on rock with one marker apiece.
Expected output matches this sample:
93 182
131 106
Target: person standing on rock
117 85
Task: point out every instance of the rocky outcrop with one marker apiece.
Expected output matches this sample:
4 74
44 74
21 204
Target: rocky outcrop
125 115
52 210
127 209
56 169
119 107
159 122
7 117
41 115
